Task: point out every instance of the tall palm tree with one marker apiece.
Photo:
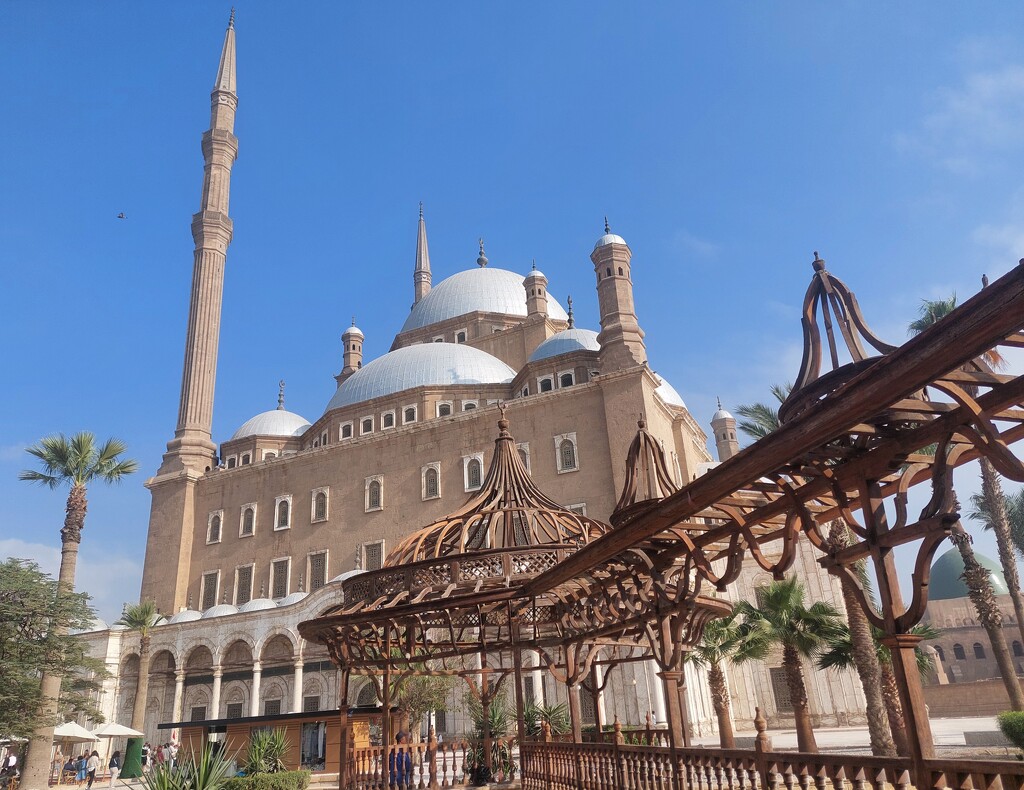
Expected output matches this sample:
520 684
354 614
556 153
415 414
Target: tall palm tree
141 617
1014 514
978 585
723 640
75 461
840 655
761 419
782 618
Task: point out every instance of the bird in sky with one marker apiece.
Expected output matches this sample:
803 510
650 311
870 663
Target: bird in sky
122 215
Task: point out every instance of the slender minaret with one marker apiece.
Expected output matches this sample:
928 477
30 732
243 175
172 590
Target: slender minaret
421 274
536 285
723 425
621 338
192 447
352 355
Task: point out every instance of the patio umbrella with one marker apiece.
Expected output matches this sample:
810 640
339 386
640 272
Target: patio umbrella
113 730
75 733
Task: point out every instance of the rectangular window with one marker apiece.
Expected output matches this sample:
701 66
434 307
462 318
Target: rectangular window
243 585
279 581
234 710
373 556
198 713
272 707
317 571
440 721
310 704
210 589
780 688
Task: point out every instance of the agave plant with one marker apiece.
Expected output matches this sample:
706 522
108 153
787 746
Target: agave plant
557 717
266 752
210 771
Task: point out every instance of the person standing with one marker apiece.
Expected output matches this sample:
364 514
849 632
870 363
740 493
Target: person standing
115 766
145 756
80 765
91 766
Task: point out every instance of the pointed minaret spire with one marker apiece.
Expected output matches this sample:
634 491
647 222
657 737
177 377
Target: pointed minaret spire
192 446
421 274
280 395
607 228
572 321
481 261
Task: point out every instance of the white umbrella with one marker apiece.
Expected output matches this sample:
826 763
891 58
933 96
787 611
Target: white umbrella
113 730
70 731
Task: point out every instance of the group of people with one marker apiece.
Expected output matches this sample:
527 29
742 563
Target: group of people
85 765
164 754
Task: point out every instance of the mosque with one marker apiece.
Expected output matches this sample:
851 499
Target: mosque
250 536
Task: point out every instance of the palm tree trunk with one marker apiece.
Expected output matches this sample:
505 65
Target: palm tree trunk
798 695
991 618
720 700
142 689
894 710
865 656
992 491
37 766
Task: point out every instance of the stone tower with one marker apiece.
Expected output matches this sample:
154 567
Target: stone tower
192 451
352 341
621 338
536 285
421 274
723 426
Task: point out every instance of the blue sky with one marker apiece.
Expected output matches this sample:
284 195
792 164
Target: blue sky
725 141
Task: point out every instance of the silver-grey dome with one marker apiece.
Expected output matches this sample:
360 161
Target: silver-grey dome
220 610
565 342
425 364
257 605
485 289
668 393
186 616
610 238
721 414
295 597
276 422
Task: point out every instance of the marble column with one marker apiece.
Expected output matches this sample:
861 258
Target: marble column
214 712
179 701
254 701
297 688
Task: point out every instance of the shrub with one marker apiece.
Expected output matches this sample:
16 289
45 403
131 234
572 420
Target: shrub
210 771
1012 724
282 780
266 752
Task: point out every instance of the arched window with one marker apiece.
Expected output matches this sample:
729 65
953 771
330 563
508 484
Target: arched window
282 514
346 431
473 473
373 495
567 454
524 457
231 462
468 406
430 483
526 391
958 652
444 410
460 337
248 521
620 271
215 529
410 414
979 651
389 420
367 696
546 385
320 506
939 653
565 380
368 425
246 459
1018 650
609 271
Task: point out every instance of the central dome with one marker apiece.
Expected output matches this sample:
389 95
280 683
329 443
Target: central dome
947 581
425 364
483 289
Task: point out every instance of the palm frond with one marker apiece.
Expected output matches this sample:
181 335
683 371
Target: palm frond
930 313
32 476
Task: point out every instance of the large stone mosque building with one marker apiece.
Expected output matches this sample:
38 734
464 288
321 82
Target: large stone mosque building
249 537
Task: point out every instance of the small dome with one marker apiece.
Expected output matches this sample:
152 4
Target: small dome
483 289
534 274
295 597
425 364
353 331
668 393
186 616
96 625
276 422
610 238
946 580
257 605
722 414
116 627
346 575
220 610
565 342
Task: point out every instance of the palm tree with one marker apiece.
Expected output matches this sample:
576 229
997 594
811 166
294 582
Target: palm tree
781 618
74 461
1014 514
840 655
978 585
761 419
141 617
723 640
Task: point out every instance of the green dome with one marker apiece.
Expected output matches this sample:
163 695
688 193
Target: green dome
945 582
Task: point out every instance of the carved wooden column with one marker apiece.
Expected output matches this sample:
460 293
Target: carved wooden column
345 739
385 718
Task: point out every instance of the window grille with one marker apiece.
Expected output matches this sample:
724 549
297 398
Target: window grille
780 688
244 584
198 713
320 506
373 556
215 529
473 473
279 585
317 571
234 710
209 590
346 431
367 696
567 451
566 380
979 651
310 704
367 426
430 483
272 707
373 497
410 414
546 385
444 410
248 521
246 459
958 652
282 514
389 420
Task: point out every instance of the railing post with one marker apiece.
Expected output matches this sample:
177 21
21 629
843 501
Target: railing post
617 741
545 729
762 745
432 757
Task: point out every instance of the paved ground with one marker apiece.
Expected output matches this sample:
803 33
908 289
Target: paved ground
948 733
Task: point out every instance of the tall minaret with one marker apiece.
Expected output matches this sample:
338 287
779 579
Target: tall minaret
421 275
723 425
192 446
621 338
